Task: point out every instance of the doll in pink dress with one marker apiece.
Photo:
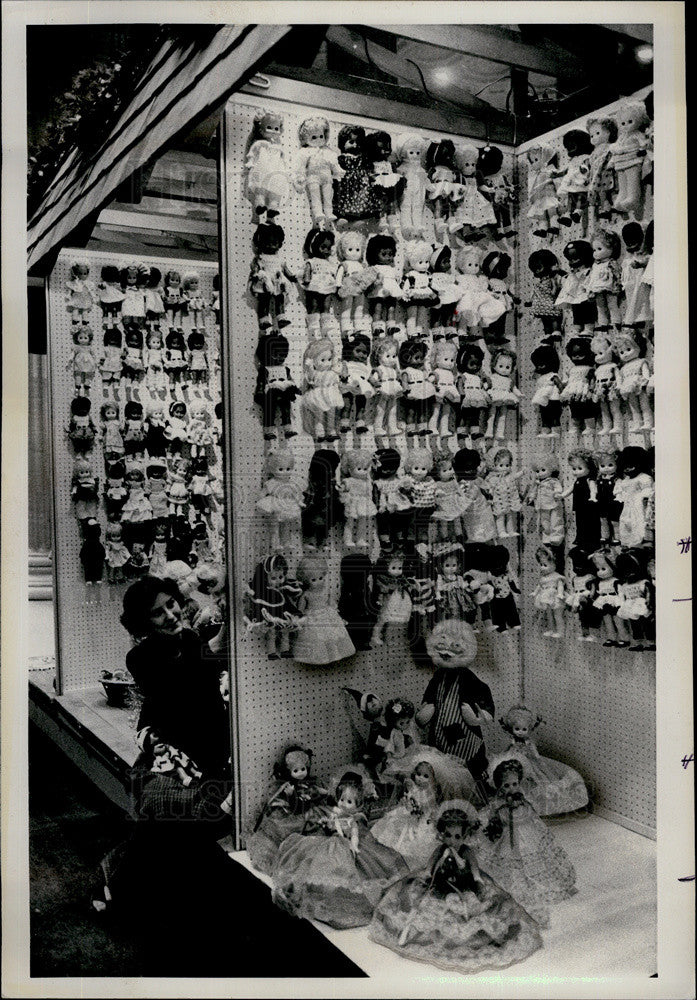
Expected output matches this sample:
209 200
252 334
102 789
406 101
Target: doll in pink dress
282 497
316 168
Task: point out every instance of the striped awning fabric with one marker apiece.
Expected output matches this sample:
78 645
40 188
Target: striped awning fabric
180 85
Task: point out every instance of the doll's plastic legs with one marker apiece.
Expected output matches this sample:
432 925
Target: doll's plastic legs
391 426
511 519
313 325
412 314
501 531
279 307
646 412
496 425
275 534
314 196
378 318
264 310
325 320
392 324
635 414
379 425
346 321
271 643
378 637
629 194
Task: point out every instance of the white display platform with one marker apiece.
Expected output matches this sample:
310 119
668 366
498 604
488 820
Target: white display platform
607 930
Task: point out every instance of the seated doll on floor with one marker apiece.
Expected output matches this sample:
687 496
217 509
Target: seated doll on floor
450 913
549 786
286 810
427 777
519 851
336 870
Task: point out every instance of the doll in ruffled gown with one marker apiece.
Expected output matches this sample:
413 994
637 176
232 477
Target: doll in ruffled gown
519 851
268 177
549 786
322 637
287 809
282 498
452 914
336 873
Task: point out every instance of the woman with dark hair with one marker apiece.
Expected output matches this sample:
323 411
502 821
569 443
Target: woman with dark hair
180 782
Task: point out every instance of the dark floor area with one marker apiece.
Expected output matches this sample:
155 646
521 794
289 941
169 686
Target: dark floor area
222 924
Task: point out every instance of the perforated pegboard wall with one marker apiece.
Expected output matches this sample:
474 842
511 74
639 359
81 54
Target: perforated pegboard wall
282 700
598 703
90 637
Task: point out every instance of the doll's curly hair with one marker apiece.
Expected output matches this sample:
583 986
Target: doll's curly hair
351 131
309 125
396 709
609 124
281 768
314 237
579 252
354 457
496 264
580 348
580 454
271 464
577 142
308 563
545 356
520 713
632 455
510 766
386 462
636 338
460 814
611 241
272 349
454 629
266 235
420 455
381 241
465 353
350 234
410 349
544 258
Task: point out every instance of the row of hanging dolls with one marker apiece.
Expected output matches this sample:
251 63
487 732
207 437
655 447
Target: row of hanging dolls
154 338
373 847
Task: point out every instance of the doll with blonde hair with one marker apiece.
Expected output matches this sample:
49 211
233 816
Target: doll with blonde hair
416 289
352 278
268 177
322 637
282 497
410 155
474 211
322 399
627 155
543 199
316 167
357 494
604 281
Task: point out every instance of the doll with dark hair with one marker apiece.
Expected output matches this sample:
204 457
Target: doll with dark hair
112 440
81 429
419 391
636 598
546 285
609 507
393 507
133 368
286 810
321 506
335 872
133 430
198 360
520 851
504 610
110 293
268 276
495 268
637 306
577 392
573 189
444 284
604 282
385 291
497 187
275 389
319 280
154 305
271 608
419 486
478 580
584 490
607 599
450 913
603 183
582 592
84 492
472 385
503 391
175 356
355 382
605 390
452 592
110 361
633 489
423 604
387 185
443 182
478 516
133 287
172 299
355 600
574 291
546 398
353 192
115 492
390 595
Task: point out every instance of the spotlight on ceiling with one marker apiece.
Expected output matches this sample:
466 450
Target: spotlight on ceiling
643 54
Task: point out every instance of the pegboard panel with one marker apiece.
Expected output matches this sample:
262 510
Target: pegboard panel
283 700
90 637
598 702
